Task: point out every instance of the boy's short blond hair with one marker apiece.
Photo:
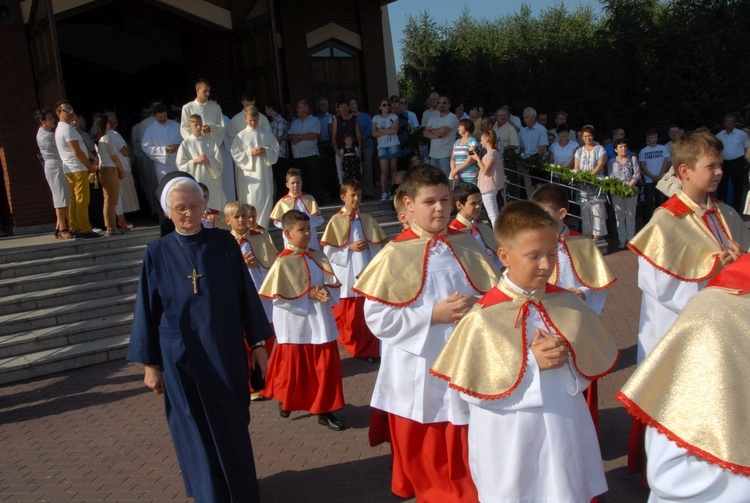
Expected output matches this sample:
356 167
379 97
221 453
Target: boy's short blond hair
422 176
235 208
690 147
195 118
250 208
520 216
292 172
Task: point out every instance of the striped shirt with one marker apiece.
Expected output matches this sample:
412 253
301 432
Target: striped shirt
461 155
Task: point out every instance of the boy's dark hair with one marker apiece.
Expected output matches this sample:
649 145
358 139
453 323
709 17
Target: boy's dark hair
348 135
519 216
691 146
291 172
652 131
462 192
562 127
291 217
551 195
350 184
204 186
158 109
425 175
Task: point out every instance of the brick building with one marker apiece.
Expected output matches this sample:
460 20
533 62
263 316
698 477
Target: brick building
120 54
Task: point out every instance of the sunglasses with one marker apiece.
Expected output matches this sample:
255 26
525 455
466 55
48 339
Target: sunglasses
383 105
68 110
442 102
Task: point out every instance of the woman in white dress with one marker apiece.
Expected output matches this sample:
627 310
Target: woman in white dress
591 158
53 170
128 200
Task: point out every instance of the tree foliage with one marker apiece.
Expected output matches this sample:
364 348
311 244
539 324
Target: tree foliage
639 63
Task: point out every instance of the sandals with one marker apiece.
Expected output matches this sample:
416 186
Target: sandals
115 232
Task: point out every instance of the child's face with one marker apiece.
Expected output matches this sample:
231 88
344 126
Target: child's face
530 258
252 216
294 184
237 222
706 175
351 199
299 234
472 208
415 161
206 197
431 207
558 214
348 142
652 139
196 127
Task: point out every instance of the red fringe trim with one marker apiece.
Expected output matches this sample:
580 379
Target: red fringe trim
669 273
639 414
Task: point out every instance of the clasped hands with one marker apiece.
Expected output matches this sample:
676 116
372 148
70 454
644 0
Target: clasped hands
549 351
319 293
452 308
359 245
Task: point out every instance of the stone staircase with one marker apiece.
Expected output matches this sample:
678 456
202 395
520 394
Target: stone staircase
69 304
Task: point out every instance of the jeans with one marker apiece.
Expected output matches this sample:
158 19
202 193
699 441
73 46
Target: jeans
444 163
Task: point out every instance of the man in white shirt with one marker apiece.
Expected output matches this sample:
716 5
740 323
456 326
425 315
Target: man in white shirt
210 112
144 165
534 141
77 167
432 109
161 141
735 146
654 161
238 121
441 130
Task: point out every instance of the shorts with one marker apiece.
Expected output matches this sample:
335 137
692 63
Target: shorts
392 152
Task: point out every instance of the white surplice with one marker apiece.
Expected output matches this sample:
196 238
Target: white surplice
348 264
410 345
227 174
676 476
566 278
254 174
156 138
210 112
258 274
538 443
209 174
238 124
303 320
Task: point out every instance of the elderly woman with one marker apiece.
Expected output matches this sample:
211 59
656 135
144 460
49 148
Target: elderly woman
195 303
53 170
625 168
591 158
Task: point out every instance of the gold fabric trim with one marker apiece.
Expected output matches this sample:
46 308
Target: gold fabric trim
682 245
587 261
263 247
289 277
396 274
488 235
487 354
338 228
287 203
693 385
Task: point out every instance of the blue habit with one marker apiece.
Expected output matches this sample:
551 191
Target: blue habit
197 341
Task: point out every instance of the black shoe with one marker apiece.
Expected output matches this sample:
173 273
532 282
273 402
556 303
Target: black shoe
329 421
373 359
283 413
91 235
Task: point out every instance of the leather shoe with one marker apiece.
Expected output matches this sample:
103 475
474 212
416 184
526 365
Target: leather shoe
373 359
329 421
283 413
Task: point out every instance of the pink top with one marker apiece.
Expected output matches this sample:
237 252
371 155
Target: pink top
495 177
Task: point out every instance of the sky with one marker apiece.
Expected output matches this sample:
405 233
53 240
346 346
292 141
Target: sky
445 10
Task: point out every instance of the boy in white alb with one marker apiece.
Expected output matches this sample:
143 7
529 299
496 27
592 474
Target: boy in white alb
416 288
530 435
468 200
305 369
298 200
350 241
200 156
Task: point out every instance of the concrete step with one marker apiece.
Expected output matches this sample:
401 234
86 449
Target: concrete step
40 299
62 247
68 313
68 277
49 361
65 335
87 259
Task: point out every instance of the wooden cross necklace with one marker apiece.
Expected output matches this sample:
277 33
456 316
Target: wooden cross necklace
195 276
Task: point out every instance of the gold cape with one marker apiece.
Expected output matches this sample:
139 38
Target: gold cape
289 277
260 244
486 356
462 223
396 275
287 203
693 386
587 262
678 242
338 228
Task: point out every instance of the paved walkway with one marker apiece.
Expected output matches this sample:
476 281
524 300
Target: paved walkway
97 434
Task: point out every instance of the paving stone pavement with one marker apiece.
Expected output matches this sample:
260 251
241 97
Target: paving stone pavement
97 434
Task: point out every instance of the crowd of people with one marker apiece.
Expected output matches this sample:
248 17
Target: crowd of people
487 336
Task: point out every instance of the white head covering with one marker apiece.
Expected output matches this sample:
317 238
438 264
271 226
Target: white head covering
168 186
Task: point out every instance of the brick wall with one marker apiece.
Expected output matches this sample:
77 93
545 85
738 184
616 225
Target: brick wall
27 199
